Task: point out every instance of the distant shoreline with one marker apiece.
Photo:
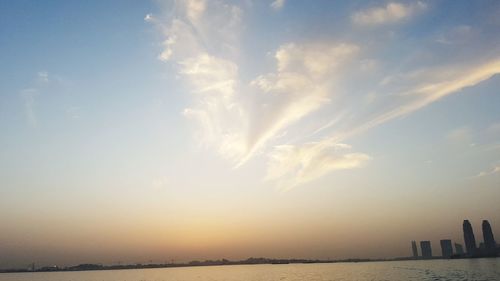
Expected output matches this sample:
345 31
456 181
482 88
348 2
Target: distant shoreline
250 261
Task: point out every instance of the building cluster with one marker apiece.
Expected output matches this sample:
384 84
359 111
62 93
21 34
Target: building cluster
487 248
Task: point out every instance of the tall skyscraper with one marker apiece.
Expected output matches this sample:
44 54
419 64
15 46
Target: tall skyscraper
489 240
446 248
459 249
425 247
414 249
469 239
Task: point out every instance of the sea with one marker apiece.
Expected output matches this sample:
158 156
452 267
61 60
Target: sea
462 269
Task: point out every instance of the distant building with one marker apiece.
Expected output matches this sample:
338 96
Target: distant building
446 248
489 240
425 247
414 249
470 240
459 249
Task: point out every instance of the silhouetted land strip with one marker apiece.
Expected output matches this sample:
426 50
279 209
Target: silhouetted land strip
249 261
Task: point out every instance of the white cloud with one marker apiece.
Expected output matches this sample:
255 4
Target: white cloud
425 93
494 170
315 60
240 119
292 165
391 13
278 4
300 86
43 77
149 18
402 104
219 115
201 46
194 9
181 42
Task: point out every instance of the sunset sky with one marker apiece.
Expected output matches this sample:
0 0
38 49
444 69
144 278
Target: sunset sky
134 131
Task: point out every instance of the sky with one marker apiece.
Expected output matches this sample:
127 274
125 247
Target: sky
137 131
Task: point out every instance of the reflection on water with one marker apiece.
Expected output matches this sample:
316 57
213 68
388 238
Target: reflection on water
470 269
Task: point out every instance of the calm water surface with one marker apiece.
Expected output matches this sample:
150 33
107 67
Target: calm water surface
478 269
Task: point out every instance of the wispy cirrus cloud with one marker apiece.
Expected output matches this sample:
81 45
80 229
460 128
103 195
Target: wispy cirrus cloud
291 166
216 110
493 170
301 85
423 92
30 95
202 48
240 119
390 13
402 104
46 89
43 77
278 4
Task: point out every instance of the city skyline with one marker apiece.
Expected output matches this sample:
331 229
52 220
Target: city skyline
487 248
195 130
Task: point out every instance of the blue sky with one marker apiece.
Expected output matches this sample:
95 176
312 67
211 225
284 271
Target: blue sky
210 122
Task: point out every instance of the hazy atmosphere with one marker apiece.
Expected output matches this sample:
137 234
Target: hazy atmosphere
138 131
